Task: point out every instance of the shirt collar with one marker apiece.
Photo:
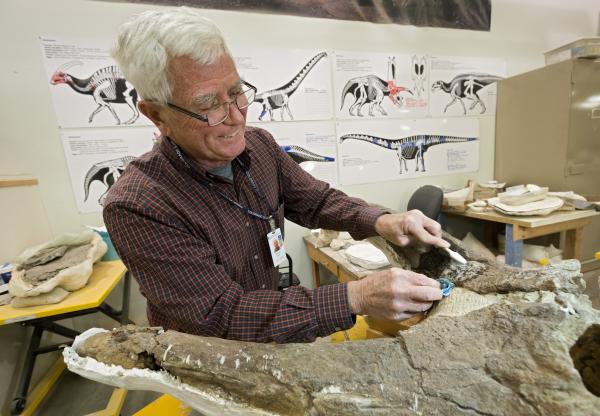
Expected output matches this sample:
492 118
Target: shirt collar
166 147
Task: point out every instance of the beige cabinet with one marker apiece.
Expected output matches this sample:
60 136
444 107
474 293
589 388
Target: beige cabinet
548 132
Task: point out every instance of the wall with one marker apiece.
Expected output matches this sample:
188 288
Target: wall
521 31
30 143
28 229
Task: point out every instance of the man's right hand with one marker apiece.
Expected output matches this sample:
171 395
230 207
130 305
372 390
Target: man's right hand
393 294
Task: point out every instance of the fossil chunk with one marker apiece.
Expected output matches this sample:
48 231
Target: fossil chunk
39 272
49 272
506 342
366 256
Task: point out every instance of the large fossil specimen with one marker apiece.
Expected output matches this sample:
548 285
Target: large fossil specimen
506 342
47 273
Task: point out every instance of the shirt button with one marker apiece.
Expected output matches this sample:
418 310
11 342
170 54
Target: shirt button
263 286
247 224
256 257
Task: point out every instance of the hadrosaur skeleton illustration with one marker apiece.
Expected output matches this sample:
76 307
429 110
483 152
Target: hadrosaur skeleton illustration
371 90
106 172
418 74
279 98
506 342
301 155
107 85
409 148
465 86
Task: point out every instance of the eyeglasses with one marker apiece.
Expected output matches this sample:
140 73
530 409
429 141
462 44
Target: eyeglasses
220 114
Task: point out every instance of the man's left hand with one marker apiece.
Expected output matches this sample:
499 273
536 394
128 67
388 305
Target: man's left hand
408 227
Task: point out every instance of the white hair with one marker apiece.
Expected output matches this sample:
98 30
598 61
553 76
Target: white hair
147 42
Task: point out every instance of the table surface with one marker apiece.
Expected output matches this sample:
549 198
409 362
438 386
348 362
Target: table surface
529 222
105 277
352 269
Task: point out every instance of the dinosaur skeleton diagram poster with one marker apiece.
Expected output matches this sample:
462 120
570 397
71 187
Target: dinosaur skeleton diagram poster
383 150
87 87
345 117
311 144
97 157
463 86
380 85
291 84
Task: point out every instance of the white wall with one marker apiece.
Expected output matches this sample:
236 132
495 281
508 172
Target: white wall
30 143
521 31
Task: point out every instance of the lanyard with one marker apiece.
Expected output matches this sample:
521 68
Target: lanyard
211 186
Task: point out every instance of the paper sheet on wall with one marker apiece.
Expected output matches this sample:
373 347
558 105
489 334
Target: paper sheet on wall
464 86
292 84
311 144
96 158
87 87
381 150
380 85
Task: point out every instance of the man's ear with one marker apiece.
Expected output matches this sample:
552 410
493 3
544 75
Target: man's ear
155 113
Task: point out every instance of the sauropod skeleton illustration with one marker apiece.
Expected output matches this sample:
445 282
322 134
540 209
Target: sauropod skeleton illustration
409 148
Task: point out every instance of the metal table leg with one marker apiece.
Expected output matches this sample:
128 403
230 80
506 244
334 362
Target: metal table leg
48 324
18 403
513 249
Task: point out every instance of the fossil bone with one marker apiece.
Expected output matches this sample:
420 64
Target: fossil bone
501 344
64 263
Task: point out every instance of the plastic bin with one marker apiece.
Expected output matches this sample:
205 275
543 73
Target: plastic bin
582 48
111 253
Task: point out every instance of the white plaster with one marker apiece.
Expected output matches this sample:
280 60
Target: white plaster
146 379
245 355
166 352
367 256
415 406
331 390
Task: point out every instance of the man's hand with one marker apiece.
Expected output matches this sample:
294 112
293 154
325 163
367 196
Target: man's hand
394 294
403 229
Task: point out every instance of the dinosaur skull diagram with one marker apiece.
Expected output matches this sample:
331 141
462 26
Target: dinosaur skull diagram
419 77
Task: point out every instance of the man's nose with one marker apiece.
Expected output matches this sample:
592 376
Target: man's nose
235 115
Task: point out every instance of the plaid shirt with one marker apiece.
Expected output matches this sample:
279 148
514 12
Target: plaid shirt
204 265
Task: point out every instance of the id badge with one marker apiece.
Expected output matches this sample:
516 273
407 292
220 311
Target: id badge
275 240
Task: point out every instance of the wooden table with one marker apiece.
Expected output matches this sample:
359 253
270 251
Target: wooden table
333 261
86 300
521 228
345 271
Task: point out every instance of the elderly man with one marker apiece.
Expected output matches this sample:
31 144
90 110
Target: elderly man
195 218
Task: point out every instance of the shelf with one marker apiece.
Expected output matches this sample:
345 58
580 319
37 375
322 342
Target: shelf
12 181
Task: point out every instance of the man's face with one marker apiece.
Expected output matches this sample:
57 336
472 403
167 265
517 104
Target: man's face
200 89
